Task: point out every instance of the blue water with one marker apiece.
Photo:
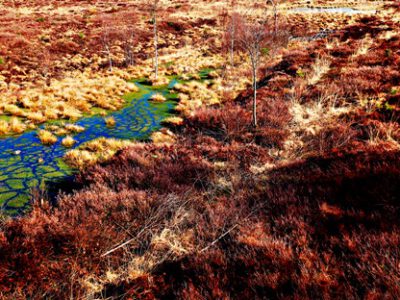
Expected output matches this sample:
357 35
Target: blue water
38 165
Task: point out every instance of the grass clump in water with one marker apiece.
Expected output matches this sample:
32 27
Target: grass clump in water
110 121
46 137
68 142
157 97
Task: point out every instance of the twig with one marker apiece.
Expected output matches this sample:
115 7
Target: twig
149 225
230 230
219 238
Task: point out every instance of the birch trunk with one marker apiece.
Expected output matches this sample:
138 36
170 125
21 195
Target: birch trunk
254 67
155 45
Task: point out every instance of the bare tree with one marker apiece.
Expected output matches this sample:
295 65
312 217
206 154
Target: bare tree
153 10
45 66
275 4
106 40
232 31
258 40
252 38
128 40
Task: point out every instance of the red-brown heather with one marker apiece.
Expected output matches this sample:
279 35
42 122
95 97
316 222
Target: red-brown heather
303 206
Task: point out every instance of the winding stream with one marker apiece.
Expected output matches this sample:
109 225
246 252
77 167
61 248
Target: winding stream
26 164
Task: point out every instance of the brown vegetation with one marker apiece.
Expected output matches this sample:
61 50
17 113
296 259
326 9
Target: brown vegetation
304 206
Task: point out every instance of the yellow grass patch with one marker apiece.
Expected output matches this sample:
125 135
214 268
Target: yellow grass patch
4 127
95 151
74 128
174 120
157 97
110 121
68 142
163 137
46 137
17 126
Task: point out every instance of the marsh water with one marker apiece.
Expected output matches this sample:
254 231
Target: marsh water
332 10
27 165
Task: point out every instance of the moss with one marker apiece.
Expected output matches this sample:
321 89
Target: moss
54 174
46 169
6 196
33 183
24 175
19 201
15 184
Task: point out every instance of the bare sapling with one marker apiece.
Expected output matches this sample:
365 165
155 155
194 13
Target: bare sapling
257 38
153 10
232 32
275 4
254 38
45 65
106 40
128 40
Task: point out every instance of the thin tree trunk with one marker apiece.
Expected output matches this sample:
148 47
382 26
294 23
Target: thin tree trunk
155 46
110 64
254 95
275 9
276 20
232 41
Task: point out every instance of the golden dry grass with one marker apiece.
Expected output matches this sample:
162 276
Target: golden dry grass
68 142
68 98
157 97
174 120
163 137
16 125
110 121
98 150
46 137
4 127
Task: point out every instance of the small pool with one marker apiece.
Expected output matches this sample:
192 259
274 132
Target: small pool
331 10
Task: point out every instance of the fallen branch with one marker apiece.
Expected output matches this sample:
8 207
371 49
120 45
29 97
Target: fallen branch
219 238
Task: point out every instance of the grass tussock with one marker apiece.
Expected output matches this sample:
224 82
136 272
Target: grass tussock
4 127
68 141
163 137
110 121
46 137
69 98
17 126
95 151
177 121
193 95
319 68
157 97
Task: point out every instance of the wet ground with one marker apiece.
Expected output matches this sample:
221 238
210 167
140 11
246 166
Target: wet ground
27 165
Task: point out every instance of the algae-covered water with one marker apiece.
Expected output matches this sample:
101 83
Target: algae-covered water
27 165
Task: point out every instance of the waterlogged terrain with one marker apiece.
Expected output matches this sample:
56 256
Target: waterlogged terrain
331 10
27 165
